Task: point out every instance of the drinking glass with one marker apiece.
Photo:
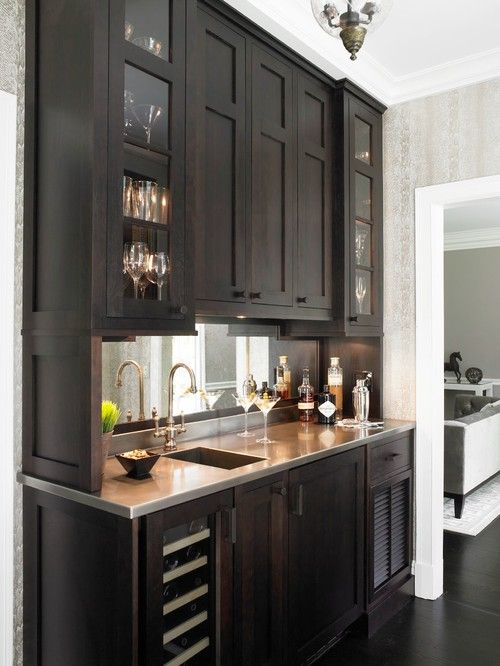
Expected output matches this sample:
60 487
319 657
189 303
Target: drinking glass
129 31
143 285
210 398
145 195
265 403
245 400
150 44
162 205
128 115
135 258
147 115
127 196
360 291
360 245
158 269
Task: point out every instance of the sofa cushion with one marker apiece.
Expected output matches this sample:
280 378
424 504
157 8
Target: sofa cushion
492 407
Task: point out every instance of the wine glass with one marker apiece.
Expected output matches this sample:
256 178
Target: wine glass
158 269
150 44
129 31
143 285
360 245
360 291
135 260
147 115
245 399
128 115
265 402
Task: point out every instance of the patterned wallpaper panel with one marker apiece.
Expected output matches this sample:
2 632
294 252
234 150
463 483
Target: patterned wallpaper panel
439 139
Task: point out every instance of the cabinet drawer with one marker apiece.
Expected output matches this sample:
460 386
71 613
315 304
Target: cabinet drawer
391 457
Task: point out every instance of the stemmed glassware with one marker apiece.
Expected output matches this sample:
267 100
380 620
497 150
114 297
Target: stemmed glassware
147 115
158 269
245 399
135 262
360 291
265 402
210 398
150 44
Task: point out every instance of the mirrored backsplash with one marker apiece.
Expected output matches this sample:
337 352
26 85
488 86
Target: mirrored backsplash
221 356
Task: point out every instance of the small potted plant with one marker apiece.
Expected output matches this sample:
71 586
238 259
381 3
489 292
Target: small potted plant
110 416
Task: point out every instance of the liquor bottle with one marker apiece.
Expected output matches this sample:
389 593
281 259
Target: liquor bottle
306 398
281 387
335 381
326 407
264 391
249 386
287 374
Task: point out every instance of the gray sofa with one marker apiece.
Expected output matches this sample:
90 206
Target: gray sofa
471 447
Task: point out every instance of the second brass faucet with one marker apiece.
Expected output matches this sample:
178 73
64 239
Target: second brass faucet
170 431
140 372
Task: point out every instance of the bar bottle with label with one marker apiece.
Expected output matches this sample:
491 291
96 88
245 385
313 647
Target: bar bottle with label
306 398
287 374
326 407
335 384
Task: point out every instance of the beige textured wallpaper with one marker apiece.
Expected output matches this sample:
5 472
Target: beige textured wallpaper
439 139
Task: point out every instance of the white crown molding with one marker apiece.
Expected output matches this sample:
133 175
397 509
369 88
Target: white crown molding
297 29
472 239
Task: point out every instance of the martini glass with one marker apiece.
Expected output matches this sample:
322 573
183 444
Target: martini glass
147 115
265 403
210 398
245 400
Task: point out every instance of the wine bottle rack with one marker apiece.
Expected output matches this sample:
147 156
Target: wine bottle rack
186 608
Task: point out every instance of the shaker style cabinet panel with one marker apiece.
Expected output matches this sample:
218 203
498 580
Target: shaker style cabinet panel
273 180
260 573
326 551
314 274
220 226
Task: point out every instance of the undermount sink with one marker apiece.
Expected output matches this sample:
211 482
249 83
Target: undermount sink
215 457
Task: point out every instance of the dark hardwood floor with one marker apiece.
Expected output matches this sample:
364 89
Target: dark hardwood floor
461 628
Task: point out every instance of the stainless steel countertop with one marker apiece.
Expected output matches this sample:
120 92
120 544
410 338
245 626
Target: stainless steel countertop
173 482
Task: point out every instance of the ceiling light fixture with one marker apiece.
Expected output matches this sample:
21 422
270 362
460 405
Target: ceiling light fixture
350 19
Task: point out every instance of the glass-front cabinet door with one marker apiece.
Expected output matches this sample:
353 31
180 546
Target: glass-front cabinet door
146 208
365 214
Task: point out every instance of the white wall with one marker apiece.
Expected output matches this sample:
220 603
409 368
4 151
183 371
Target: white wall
439 139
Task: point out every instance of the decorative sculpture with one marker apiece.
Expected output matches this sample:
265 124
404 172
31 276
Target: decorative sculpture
474 375
453 366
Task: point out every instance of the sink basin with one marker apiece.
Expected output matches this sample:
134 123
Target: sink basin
215 457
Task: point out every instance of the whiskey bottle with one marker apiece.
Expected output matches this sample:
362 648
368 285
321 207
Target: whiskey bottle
326 407
306 398
264 391
280 387
287 374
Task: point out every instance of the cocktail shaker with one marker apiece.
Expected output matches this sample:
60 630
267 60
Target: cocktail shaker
361 401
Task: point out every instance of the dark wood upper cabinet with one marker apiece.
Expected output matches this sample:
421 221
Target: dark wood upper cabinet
273 179
220 226
260 572
326 552
314 273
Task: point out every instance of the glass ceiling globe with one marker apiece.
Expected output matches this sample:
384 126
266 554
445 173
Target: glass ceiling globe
350 20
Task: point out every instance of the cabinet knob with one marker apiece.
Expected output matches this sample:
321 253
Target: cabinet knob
302 299
239 294
256 294
353 319
182 309
280 490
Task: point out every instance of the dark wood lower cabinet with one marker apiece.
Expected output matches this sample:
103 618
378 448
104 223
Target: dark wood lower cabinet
269 573
260 572
326 551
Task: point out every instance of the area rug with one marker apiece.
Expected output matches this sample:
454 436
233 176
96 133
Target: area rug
480 509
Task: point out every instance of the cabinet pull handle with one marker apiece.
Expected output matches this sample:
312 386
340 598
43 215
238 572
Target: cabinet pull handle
302 299
181 309
256 294
280 490
299 506
392 456
353 319
230 513
239 294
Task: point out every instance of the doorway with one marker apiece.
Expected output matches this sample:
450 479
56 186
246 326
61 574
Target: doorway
430 204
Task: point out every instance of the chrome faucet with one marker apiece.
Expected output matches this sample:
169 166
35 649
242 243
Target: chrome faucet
140 372
170 431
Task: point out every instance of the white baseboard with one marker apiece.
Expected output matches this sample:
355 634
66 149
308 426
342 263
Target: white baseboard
428 580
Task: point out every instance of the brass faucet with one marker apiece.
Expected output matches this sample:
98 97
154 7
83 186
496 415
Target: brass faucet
140 372
170 431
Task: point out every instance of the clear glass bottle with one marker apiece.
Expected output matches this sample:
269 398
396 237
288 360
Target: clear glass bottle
306 398
335 384
280 386
326 407
287 374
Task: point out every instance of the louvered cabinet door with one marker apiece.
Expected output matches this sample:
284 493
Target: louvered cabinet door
390 534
